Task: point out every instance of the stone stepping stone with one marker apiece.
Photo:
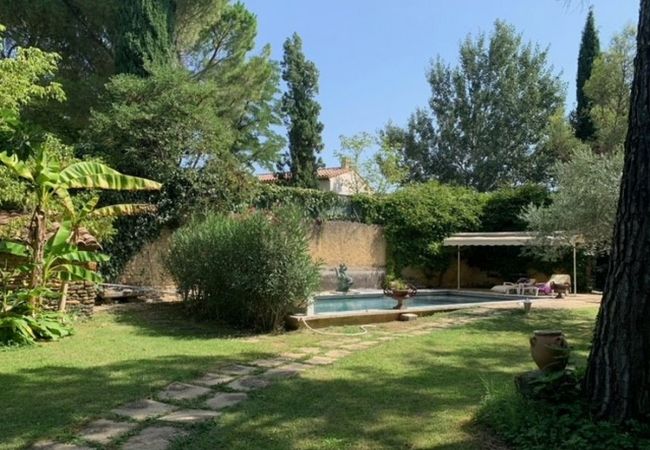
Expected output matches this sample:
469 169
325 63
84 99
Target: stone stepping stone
319 361
153 438
335 354
103 431
51 445
359 346
226 399
268 363
309 349
190 416
420 333
237 369
293 355
214 379
183 391
144 409
286 371
333 344
248 384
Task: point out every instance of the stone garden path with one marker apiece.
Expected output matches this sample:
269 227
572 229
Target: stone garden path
153 424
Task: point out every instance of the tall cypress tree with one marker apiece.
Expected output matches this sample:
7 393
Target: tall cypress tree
589 50
145 35
301 113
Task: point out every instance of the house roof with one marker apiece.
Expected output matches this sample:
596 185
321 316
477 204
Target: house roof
84 238
324 173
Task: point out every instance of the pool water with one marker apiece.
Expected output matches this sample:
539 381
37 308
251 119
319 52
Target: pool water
325 305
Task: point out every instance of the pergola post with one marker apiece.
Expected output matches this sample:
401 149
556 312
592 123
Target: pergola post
575 271
458 269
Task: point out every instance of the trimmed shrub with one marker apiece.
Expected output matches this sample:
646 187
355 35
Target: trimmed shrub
249 270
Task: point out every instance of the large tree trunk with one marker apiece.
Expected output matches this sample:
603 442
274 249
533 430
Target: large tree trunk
617 382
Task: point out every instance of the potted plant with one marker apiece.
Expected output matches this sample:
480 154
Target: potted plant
399 290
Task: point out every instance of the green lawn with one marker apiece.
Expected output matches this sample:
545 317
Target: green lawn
415 392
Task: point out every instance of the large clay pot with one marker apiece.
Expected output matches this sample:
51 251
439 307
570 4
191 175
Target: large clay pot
549 349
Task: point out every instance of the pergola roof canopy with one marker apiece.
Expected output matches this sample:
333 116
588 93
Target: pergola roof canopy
519 238
511 238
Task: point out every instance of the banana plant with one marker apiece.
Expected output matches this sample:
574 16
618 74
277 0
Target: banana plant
52 181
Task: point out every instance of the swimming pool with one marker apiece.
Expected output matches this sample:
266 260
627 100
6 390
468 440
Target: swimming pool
338 303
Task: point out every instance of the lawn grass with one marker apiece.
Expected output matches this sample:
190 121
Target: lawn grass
415 392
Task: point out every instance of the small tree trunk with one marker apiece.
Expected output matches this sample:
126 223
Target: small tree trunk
37 237
617 382
64 296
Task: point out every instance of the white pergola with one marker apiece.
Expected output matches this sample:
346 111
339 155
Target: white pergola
504 238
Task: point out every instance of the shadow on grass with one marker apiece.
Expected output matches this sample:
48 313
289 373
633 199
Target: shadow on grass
51 401
171 319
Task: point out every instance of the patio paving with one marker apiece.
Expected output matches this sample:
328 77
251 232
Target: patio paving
153 438
225 400
190 416
183 391
103 431
214 379
237 369
248 384
144 409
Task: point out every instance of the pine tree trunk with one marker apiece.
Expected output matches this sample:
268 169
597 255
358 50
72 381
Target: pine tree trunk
617 383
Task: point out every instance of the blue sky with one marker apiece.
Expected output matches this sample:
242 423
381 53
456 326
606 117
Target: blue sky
372 54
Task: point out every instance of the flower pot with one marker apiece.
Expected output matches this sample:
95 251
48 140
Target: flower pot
549 349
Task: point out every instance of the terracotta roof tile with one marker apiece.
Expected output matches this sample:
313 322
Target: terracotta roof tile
324 173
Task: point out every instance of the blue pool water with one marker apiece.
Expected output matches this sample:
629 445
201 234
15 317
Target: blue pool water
325 305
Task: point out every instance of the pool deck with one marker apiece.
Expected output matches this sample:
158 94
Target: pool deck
389 315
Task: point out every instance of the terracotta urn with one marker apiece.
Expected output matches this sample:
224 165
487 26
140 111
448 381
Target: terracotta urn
400 295
549 349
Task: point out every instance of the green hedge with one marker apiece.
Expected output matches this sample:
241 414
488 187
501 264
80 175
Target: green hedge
249 270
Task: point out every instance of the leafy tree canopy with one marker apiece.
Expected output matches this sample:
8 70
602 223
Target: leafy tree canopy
380 171
584 202
487 117
210 39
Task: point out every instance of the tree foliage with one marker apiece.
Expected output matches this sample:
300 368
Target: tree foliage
589 51
211 39
608 90
301 111
583 203
144 35
486 118
380 171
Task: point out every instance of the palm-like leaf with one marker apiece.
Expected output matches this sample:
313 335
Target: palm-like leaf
15 249
71 272
91 175
124 209
17 166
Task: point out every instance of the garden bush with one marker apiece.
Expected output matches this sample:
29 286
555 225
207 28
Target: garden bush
249 270
540 425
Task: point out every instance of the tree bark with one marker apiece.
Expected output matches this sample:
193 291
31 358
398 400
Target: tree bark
38 233
617 382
